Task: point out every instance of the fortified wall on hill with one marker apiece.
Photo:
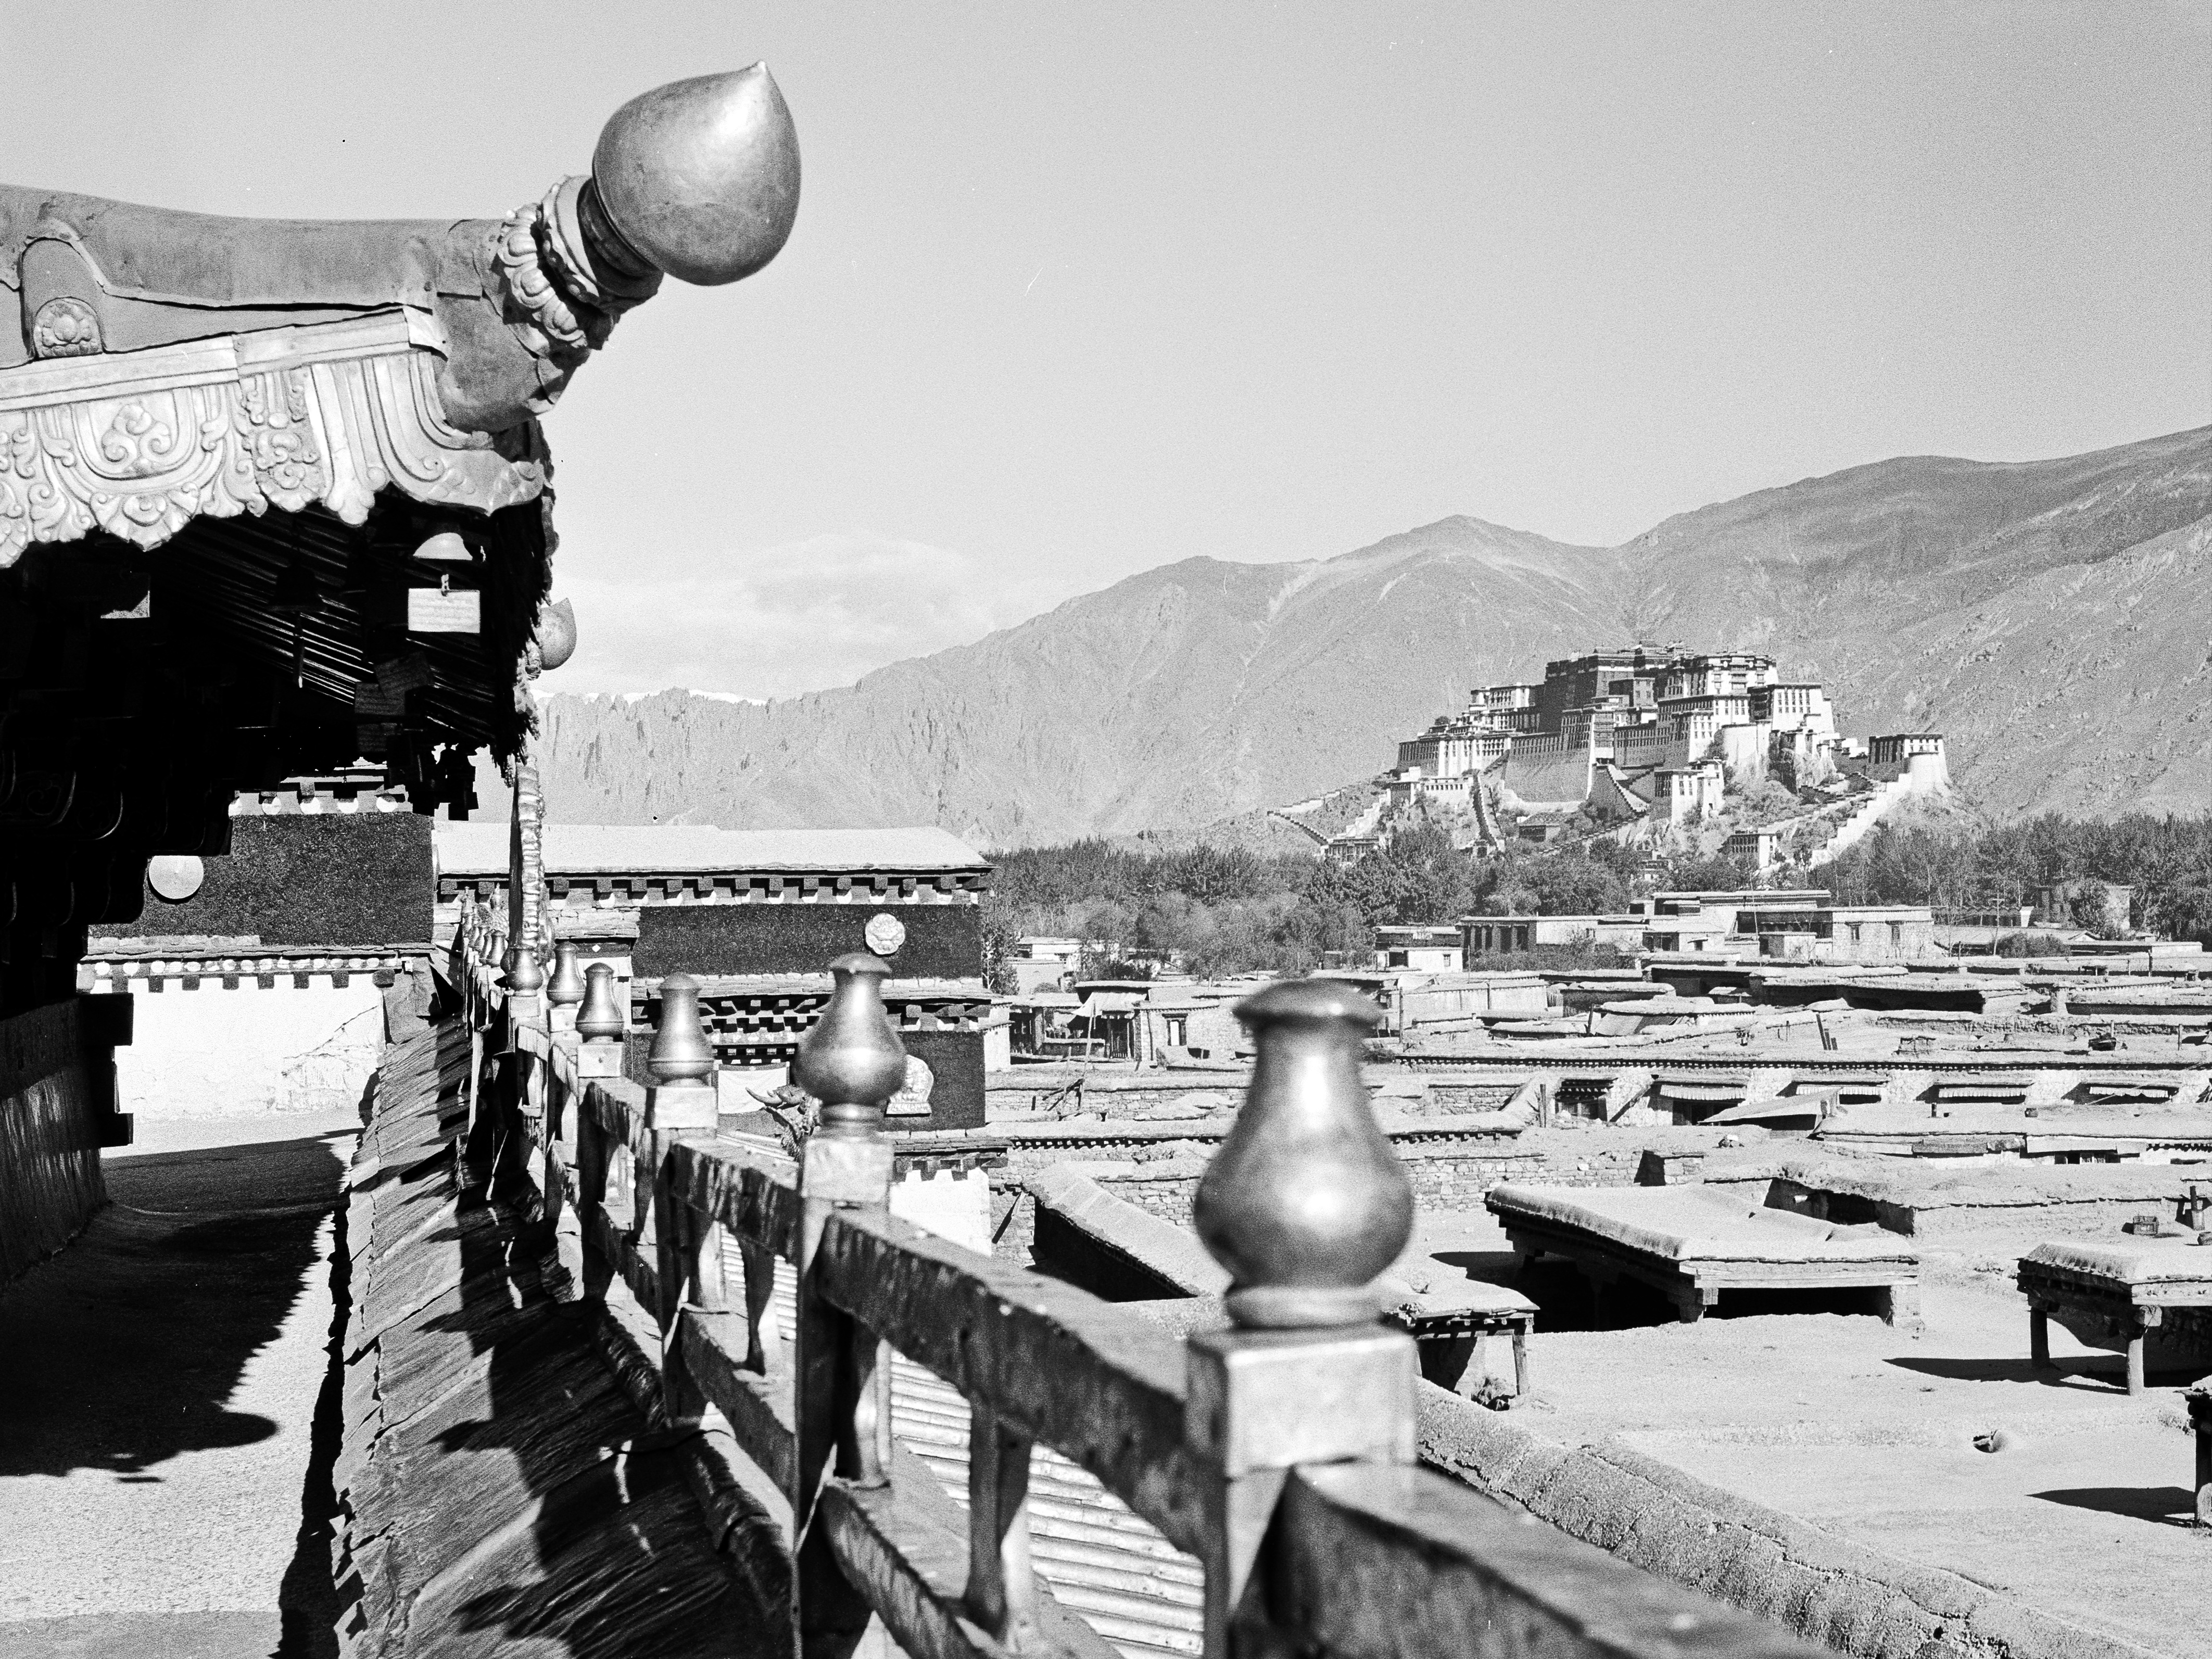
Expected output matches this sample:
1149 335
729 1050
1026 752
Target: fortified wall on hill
1648 741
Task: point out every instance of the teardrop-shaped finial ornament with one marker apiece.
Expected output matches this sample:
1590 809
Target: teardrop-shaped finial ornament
1306 1204
699 178
852 1061
566 987
600 1019
680 1052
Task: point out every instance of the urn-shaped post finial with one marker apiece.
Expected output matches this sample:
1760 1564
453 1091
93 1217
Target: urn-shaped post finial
680 1054
600 1019
565 989
852 1062
1306 1204
523 976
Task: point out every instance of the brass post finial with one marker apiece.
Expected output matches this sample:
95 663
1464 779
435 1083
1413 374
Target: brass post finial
852 1061
523 976
682 1061
565 989
1305 1203
600 1019
680 1053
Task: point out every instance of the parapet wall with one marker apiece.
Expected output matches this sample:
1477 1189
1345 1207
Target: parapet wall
1851 1599
1087 1095
496 1481
1451 1162
1991 1206
2072 1082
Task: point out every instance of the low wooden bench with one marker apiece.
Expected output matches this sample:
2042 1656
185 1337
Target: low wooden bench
2121 1296
1690 1243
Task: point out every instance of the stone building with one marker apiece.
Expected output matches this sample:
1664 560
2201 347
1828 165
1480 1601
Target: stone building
269 980
1454 745
1870 932
1044 964
1917 759
756 915
1492 936
1759 848
1650 737
1425 949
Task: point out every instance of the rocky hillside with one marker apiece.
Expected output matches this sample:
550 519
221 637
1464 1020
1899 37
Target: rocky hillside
2048 616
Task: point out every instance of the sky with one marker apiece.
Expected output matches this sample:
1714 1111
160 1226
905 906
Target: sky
1079 291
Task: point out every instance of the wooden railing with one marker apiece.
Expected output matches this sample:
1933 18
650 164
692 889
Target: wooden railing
1282 1457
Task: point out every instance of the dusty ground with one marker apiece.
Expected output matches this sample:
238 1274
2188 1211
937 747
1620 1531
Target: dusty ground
163 1472
2082 1510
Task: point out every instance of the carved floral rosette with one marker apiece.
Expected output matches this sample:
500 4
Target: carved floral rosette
139 446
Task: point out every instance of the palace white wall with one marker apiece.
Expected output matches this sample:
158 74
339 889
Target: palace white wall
212 1052
954 1203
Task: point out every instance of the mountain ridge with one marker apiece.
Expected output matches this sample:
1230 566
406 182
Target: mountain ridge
2038 611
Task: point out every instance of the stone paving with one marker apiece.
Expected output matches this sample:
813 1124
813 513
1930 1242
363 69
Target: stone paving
164 1464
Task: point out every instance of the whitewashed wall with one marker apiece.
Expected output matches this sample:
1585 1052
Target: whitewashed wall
217 1052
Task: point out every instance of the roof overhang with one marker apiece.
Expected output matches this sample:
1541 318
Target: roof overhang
317 442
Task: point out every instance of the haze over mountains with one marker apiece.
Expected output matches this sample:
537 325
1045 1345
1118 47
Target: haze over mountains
2050 616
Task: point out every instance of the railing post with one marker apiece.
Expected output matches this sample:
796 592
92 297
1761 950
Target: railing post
564 992
1001 1593
687 1245
601 1024
1305 1205
592 1194
2198 1400
853 1063
761 1338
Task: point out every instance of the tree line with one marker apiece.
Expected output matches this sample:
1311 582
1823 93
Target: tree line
2166 859
1222 911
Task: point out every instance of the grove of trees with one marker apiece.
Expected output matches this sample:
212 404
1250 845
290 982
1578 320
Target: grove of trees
1222 911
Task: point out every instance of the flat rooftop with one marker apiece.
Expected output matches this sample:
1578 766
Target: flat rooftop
1838 1420
481 849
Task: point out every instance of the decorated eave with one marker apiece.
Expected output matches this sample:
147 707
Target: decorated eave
677 863
314 447
783 1007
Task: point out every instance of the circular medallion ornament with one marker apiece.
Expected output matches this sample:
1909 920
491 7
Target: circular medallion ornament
885 934
175 876
65 327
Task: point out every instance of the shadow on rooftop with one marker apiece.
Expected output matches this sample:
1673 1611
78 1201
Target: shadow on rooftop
1493 1267
1567 1301
539 1508
140 1331
2108 1377
2173 1506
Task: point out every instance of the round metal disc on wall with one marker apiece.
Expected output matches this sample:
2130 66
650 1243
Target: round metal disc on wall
175 876
885 934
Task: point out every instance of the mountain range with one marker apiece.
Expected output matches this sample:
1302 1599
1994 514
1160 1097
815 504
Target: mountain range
2049 617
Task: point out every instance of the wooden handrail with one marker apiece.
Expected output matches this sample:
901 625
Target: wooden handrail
1099 1386
1365 1559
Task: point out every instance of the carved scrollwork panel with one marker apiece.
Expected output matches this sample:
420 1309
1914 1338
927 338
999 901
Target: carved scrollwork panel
437 462
143 451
